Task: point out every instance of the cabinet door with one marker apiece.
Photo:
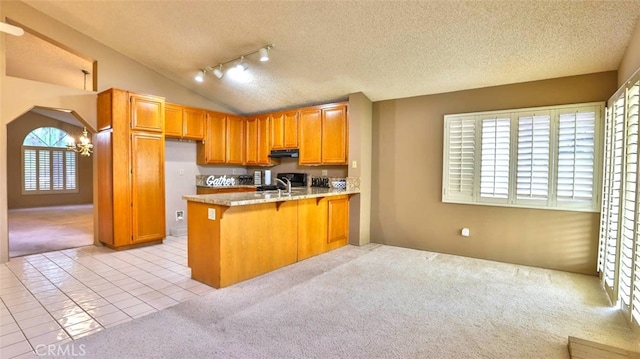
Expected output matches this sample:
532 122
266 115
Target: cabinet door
264 138
147 187
194 121
251 141
235 140
215 142
147 113
310 137
277 131
284 130
334 135
291 129
338 219
173 121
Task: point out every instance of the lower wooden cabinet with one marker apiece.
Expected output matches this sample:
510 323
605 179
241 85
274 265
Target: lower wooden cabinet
323 225
227 245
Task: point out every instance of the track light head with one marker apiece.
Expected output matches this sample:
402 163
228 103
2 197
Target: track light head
241 66
200 76
218 72
264 54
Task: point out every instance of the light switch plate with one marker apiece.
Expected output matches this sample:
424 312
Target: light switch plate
211 214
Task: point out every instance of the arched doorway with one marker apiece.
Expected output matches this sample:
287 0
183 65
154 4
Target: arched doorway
50 188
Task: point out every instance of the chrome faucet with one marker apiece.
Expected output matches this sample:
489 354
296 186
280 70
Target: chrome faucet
287 185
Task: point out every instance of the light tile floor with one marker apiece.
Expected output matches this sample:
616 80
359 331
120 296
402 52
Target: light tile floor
56 297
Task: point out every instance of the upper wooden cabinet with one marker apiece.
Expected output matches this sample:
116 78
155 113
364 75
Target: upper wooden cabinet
173 121
310 136
334 135
213 149
224 140
147 114
284 130
184 122
257 141
130 168
323 136
235 140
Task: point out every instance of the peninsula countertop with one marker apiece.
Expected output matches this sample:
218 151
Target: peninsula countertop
248 198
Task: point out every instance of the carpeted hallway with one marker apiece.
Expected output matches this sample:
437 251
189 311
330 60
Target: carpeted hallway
46 229
379 302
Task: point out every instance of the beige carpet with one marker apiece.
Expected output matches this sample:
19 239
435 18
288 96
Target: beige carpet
45 229
378 302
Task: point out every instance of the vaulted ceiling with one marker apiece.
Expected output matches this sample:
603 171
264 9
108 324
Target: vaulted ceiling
325 50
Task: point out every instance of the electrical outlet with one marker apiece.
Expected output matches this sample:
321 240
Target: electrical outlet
211 214
181 172
179 215
324 172
354 164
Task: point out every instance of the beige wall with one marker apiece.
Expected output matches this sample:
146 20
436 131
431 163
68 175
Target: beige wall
360 132
631 60
407 181
16 132
18 96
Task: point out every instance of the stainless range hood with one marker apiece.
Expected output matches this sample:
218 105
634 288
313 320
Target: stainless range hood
284 153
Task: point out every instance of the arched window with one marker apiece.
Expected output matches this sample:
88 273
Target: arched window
47 166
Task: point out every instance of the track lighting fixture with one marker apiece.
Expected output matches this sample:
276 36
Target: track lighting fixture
240 67
218 72
200 76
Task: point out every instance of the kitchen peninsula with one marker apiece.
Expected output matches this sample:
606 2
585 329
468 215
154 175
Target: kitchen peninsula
236 236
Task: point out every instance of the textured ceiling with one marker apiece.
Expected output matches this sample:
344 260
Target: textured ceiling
325 50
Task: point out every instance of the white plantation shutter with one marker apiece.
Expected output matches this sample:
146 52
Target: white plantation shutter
494 170
533 157
576 156
606 188
71 171
629 209
543 157
459 174
44 170
29 170
58 172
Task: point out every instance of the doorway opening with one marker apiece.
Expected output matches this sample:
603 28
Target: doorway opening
49 183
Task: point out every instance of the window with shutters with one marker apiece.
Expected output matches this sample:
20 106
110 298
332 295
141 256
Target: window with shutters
619 244
47 165
544 157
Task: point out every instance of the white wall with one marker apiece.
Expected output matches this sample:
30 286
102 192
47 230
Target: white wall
18 96
180 177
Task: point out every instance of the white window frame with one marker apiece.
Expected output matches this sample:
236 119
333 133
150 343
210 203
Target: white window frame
552 202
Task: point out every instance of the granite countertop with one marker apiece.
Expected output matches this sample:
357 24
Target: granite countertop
234 186
248 198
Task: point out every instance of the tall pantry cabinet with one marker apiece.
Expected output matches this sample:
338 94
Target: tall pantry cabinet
130 158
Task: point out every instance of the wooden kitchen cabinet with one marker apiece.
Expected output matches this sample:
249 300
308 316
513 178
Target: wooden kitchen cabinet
257 141
213 149
284 130
184 122
310 137
224 140
235 140
193 123
323 225
323 135
173 121
130 169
